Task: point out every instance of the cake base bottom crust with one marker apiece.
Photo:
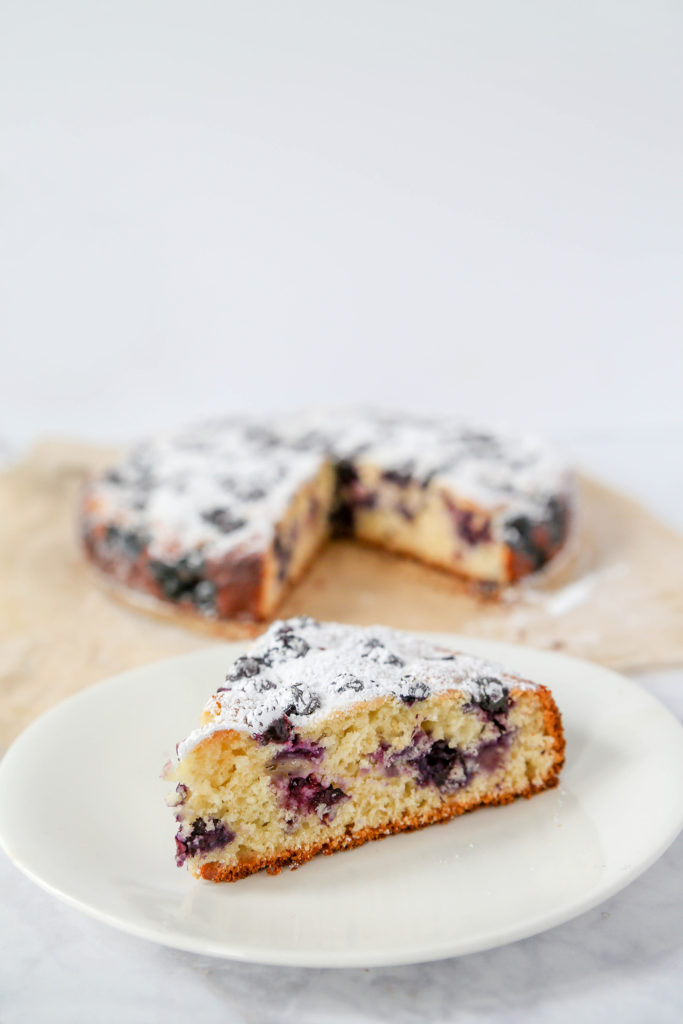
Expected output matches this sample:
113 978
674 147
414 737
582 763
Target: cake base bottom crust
216 872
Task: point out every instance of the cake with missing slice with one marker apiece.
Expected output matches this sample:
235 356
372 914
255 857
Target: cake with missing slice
325 736
219 520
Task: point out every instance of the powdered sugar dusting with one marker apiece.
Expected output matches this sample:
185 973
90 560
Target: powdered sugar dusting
301 670
225 484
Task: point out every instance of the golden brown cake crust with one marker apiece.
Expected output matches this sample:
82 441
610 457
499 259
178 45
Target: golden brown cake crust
450 808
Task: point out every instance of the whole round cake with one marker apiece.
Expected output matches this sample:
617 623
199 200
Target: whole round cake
221 518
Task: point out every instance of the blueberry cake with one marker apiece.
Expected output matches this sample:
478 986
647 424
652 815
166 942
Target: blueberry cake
326 736
222 518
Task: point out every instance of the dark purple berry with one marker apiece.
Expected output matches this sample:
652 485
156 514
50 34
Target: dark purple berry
346 473
126 543
402 476
244 668
303 701
278 731
371 644
204 836
288 646
223 520
437 763
411 690
350 683
472 527
181 795
296 748
179 579
493 698
307 795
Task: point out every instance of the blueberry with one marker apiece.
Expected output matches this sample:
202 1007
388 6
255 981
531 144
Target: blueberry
437 763
304 702
126 543
288 646
261 685
329 797
179 579
493 697
350 683
520 535
306 794
297 749
472 527
296 644
204 836
411 690
346 473
371 644
244 668
278 731
374 650
400 475
223 520
181 795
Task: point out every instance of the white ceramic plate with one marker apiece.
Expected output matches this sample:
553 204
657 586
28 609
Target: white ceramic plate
82 813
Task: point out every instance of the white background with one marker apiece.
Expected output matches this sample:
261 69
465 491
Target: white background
460 207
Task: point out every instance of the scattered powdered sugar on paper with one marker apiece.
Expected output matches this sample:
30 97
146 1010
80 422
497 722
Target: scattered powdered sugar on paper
301 670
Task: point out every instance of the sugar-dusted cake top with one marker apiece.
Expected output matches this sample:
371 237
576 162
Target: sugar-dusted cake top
300 670
226 483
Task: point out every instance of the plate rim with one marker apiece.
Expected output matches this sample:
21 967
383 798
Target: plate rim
271 956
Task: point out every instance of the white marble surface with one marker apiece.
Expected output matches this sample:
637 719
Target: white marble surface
622 961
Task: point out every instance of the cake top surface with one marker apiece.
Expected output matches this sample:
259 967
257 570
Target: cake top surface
226 483
301 670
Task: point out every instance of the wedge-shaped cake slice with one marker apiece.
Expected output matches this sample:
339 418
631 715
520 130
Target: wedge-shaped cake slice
326 736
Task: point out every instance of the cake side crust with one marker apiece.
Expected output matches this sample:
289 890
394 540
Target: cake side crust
217 872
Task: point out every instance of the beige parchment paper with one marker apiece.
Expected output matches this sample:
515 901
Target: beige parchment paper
618 600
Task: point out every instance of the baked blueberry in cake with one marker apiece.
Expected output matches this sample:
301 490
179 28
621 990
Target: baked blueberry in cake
325 736
222 518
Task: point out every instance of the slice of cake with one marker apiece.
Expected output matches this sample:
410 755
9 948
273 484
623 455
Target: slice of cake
326 736
220 519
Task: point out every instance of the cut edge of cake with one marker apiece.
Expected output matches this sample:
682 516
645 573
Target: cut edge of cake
220 571
498 737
